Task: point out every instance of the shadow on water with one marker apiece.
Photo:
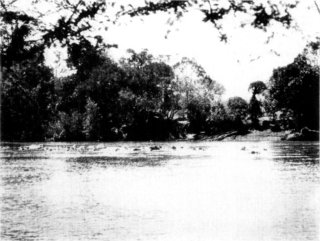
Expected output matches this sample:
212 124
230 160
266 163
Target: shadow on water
87 162
21 178
22 174
14 157
20 169
297 154
20 235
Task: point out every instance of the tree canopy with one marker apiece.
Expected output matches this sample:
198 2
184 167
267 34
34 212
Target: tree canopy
257 87
78 16
255 111
260 13
295 88
238 107
107 100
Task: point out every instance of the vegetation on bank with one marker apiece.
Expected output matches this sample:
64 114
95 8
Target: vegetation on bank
139 97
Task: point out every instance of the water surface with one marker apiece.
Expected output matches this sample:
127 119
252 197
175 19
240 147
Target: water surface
179 191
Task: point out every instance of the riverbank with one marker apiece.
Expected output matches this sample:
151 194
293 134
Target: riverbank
252 135
265 135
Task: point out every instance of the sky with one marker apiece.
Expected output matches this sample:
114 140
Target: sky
245 58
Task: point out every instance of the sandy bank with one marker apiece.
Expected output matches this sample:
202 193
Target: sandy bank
266 135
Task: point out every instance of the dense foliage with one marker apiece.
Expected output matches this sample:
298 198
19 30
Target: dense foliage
27 84
254 109
294 92
136 99
139 98
260 14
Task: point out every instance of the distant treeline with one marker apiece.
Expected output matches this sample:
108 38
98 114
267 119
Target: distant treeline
140 97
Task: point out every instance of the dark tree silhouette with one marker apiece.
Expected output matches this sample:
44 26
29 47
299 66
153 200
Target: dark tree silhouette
262 14
238 108
295 88
257 87
110 101
255 111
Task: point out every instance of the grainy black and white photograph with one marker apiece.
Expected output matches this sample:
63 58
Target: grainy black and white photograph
145 120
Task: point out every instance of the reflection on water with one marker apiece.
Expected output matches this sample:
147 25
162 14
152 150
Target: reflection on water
163 191
87 162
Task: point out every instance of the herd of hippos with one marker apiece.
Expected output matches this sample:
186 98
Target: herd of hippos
92 148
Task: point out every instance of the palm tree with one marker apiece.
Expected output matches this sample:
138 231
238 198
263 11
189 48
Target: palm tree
255 112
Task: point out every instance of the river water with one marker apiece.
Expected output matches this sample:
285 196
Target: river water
160 191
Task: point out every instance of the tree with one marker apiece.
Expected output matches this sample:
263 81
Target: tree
295 88
238 108
79 13
15 46
147 89
196 93
198 111
193 84
84 57
27 84
66 126
147 80
104 86
219 119
257 87
91 121
262 13
255 111
70 30
27 97
77 18
102 96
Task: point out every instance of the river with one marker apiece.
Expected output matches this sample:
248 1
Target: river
248 191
